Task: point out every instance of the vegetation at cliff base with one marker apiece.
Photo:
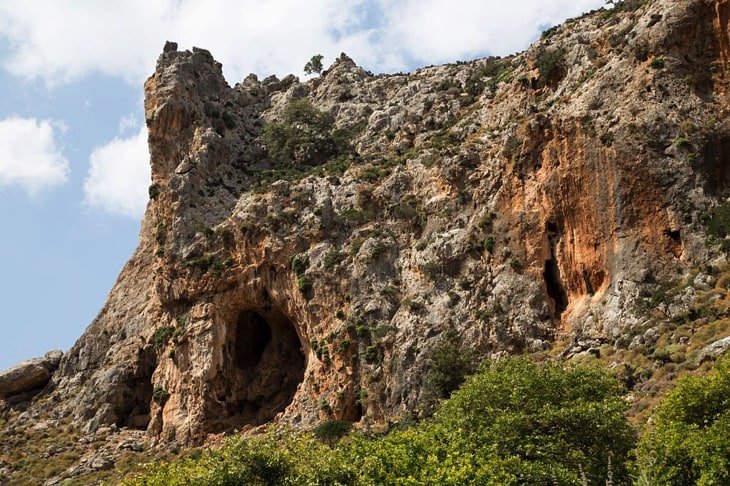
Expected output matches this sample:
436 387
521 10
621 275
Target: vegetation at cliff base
514 422
689 441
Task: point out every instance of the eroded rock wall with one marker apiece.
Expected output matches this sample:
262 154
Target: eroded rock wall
505 201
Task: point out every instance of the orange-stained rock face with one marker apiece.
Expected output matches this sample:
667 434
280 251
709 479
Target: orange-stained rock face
507 202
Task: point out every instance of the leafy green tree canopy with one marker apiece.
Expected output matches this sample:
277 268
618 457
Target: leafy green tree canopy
689 443
314 65
304 135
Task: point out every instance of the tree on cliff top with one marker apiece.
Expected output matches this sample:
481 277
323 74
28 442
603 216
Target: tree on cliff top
314 65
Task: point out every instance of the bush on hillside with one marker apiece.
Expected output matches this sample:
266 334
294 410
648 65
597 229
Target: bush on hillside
689 442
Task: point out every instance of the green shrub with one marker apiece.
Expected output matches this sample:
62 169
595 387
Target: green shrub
449 365
373 354
343 347
683 142
432 270
331 431
229 120
162 336
160 395
545 421
270 459
153 191
658 63
689 440
550 65
718 221
314 65
514 422
299 264
332 258
303 137
304 284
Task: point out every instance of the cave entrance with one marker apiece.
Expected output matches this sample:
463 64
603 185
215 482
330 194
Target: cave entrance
551 274
267 365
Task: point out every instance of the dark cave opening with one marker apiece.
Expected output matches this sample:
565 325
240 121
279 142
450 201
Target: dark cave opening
551 273
253 334
132 399
554 286
266 367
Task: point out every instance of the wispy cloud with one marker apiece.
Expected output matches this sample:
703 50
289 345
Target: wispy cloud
119 176
72 39
30 156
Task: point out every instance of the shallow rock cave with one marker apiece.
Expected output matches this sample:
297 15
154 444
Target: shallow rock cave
265 363
132 399
551 274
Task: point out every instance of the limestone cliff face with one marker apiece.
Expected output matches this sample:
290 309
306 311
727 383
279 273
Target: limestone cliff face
506 201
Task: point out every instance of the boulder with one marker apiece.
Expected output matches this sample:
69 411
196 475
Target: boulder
713 350
29 375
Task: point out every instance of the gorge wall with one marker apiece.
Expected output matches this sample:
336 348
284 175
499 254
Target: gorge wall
307 244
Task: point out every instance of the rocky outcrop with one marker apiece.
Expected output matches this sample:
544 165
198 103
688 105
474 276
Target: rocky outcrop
29 375
714 349
308 244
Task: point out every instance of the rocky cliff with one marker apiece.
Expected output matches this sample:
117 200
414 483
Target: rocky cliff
308 244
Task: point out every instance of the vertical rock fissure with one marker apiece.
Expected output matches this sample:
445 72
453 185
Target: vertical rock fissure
551 273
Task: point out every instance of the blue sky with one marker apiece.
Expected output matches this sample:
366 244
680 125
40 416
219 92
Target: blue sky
73 162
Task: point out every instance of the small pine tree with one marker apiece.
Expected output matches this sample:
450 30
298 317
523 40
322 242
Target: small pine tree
314 65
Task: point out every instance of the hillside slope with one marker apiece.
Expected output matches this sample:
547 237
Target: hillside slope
308 244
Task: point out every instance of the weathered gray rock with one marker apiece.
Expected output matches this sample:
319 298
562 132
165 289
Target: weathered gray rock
715 349
29 375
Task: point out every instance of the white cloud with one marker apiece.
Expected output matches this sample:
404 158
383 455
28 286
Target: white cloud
73 38
29 155
433 31
119 176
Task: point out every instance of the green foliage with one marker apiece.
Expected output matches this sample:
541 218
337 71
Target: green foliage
689 443
162 336
377 251
432 270
332 258
352 217
343 347
718 221
314 65
373 354
514 422
622 6
304 284
544 421
160 395
550 64
450 364
488 244
305 136
299 264
657 63
207 262
153 191
333 167
256 461
331 431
